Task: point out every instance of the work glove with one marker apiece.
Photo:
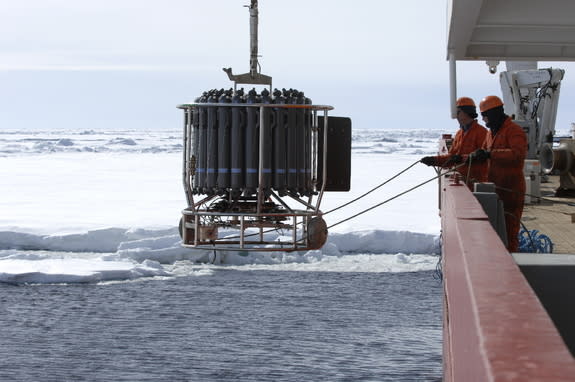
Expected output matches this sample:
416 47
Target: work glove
456 159
429 161
479 155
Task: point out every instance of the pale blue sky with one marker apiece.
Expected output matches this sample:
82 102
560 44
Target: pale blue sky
127 63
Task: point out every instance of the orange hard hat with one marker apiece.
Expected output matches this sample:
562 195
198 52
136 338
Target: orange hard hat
489 103
465 101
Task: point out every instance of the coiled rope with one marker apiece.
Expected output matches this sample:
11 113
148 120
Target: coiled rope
531 241
534 242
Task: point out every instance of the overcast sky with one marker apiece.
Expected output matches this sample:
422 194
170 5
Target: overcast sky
128 63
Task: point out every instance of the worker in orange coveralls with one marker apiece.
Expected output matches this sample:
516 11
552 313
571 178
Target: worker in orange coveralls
468 138
504 150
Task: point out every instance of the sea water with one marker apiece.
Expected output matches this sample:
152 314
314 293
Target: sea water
94 285
226 325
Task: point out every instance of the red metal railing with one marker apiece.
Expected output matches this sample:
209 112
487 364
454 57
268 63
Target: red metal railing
495 328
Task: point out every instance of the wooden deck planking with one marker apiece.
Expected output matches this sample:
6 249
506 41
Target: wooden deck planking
552 218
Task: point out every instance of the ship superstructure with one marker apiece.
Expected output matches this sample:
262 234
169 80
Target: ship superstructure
509 317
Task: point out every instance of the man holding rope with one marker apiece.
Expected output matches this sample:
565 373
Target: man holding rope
504 151
468 139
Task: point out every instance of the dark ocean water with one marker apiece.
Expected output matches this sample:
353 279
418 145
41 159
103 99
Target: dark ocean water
230 325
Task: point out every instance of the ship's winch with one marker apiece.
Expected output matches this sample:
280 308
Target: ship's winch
259 162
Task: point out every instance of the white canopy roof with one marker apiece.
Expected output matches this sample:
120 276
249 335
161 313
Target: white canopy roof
514 30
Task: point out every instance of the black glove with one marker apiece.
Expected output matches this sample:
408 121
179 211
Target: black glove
456 159
429 161
479 155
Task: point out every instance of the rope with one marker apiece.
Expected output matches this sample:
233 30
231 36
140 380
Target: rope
469 170
348 203
440 174
373 189
438 273
570 204
550 211
534 242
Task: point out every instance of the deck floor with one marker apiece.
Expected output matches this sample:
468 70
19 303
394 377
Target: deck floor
552 217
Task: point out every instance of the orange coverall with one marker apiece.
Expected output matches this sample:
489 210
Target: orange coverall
464 143
508 149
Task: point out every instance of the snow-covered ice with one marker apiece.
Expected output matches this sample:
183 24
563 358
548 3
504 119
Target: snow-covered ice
91 206
34 268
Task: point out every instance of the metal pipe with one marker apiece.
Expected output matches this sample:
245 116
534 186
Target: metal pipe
187 211
242 232
304 236
191 156
452 84
254 39
272 105
261 163
314 148
220 244
273 194
294 232
184 232
196 229
185 154
324 169
186 162
302 202
203 201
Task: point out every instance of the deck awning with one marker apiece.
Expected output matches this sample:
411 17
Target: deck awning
511 30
